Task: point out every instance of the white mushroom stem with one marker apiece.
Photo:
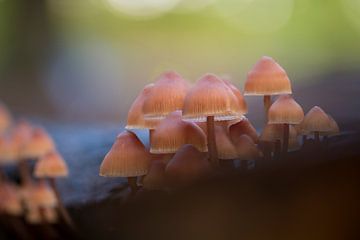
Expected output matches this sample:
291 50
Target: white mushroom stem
211 141
62 210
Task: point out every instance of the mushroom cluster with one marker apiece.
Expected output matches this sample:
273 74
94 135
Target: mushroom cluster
39 164
195 129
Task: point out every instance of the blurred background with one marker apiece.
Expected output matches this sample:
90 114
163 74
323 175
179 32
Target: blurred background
85 60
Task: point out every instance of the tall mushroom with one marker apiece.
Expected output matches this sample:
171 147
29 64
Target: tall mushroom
210 100
126 158
267 78
52 166
285 110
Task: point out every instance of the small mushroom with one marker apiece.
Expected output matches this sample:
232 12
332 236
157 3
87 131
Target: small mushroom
267 78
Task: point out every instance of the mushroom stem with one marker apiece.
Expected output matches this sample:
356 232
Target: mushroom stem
317 137
277 149
133 185
24 171
63 212
267 104
210 124
285 138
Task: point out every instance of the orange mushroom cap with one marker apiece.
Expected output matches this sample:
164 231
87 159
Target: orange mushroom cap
155 179
126 158
243 127
135 118
38 144
267 78
51 165
210 96
285 110
167 95
316 120
173 132
5 118
225 147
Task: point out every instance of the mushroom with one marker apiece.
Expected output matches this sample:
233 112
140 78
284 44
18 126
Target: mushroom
187 166
210 100
315 122
285 110
53 166
246 150
243 127
173 132
267 78
225 147
166 96
38 144
10 199
155 179
126 158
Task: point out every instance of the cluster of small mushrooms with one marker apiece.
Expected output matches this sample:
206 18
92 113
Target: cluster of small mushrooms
193 129
33 152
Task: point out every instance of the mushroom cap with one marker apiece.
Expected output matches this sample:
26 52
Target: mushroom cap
33 216
225 147
51 165
155 179
246 148
38 144
135 118
187 166
316 120
334 128
243 127
173 132
167 95
210 96
10 199
9 150
267 78
5 118
285 110
238 95
126 158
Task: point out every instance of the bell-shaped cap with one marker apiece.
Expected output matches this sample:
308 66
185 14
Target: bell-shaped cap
238 95
10 199
9 150
173 132
128 157
316 120
167 95
187 166
285 110
155 179
210 96
246 148
243 127
5 118
38 144
51 165
334 128
135 118
225 147
267 78
164 157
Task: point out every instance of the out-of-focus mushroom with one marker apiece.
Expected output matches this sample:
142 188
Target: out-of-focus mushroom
267 78
243 127
155 179
5 118
187 166
210 100
285 110
173 132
